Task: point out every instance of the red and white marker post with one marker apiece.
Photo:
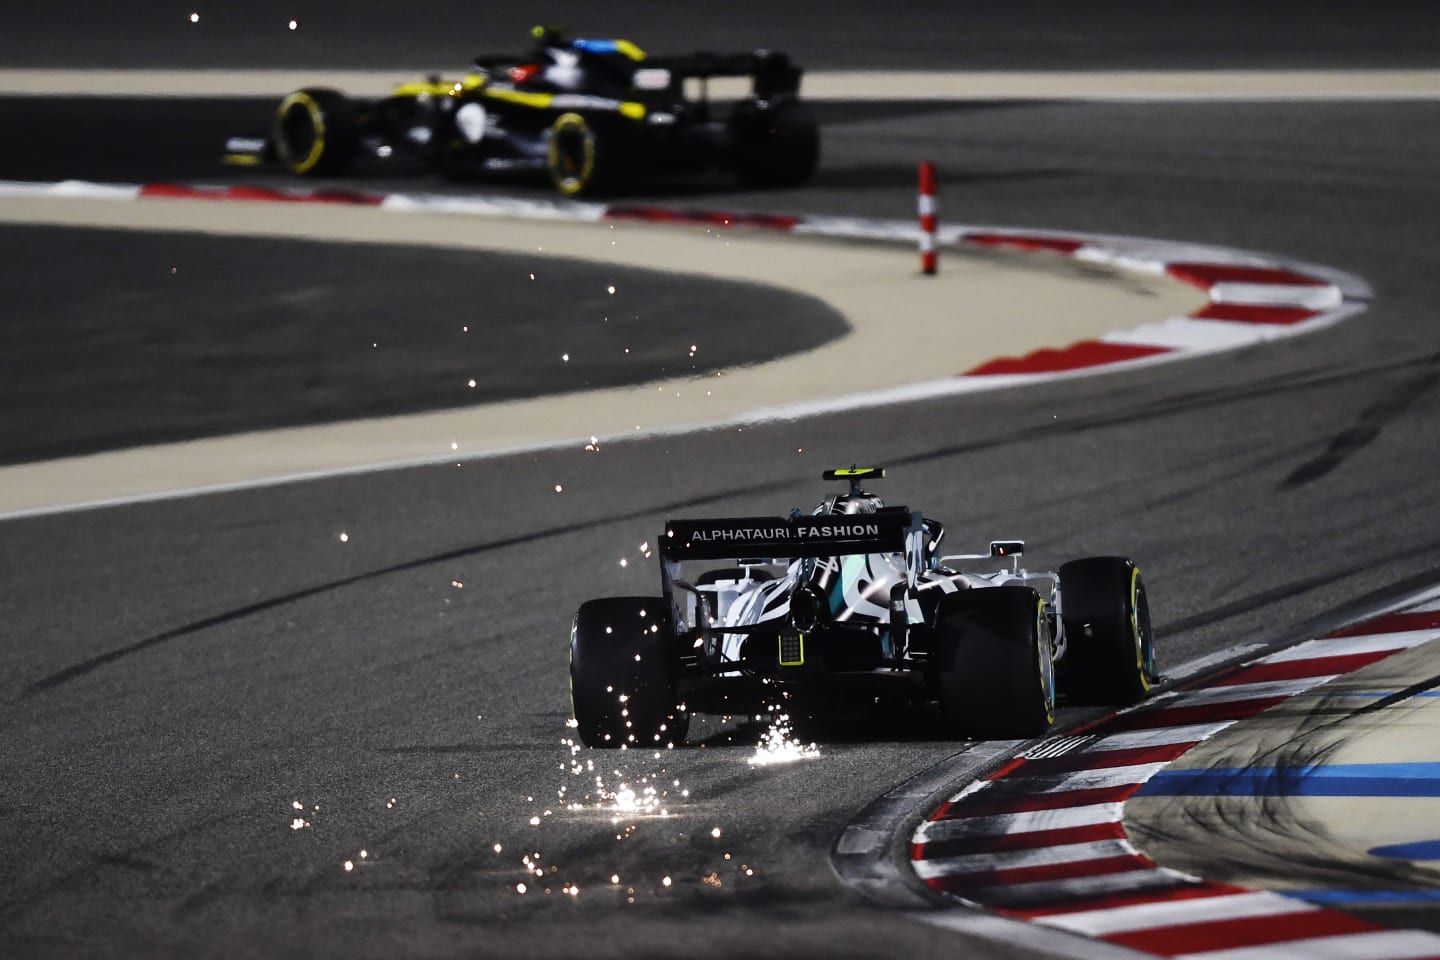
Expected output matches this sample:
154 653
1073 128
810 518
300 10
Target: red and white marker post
929 219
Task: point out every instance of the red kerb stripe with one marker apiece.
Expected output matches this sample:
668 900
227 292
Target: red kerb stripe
262 194
715 218
1000 843
351 197
1195 713
1077 356
1297 669
173 190
1098 760
1024 242
1243 932
1393 623
1009 767
965 884
1206 275
1248 313
1183 890
344 197
978 805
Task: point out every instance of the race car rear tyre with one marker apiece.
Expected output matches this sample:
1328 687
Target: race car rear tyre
993 663
1110 647
315 133
622 688
776 144
582 158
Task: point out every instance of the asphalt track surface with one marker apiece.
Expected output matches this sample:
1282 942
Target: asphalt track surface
850 34
307 333
179 674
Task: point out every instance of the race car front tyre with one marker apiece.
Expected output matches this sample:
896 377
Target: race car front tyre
622 688
774 144
315 133
993 666
1109 646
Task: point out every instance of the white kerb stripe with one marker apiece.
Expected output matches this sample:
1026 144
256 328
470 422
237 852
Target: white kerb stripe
1322 297
1031 821
1017 859
1364 643
1159 737
1102 777
1139 262
1390 944
1170 913
1188 333
1020 938
1105 884
493 207
1244 691
70 188
868 229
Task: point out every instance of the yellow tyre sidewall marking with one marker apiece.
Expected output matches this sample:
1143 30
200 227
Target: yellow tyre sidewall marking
1135 629
1047 676
317 119
574 184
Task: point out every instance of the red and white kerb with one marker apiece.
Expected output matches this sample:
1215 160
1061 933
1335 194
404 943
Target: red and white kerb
1043 839
1251 298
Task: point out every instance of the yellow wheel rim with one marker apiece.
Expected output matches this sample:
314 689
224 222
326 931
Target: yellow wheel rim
317 120
571 177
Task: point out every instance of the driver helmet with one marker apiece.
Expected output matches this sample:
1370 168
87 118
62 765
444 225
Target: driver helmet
848 503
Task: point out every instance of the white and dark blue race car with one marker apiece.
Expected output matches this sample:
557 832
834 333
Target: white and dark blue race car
849 603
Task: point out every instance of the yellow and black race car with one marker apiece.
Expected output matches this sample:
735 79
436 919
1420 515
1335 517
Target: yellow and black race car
596 115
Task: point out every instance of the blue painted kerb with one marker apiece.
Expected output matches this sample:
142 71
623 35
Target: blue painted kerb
1335 780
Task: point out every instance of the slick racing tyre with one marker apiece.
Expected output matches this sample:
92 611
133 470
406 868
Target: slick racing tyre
315 132
775 145
622 688
993 664
1109 646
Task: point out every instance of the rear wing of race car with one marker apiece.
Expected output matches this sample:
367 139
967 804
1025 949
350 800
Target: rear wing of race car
761 540
773 74
729 538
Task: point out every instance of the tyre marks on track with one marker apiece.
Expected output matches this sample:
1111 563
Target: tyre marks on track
1042 840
